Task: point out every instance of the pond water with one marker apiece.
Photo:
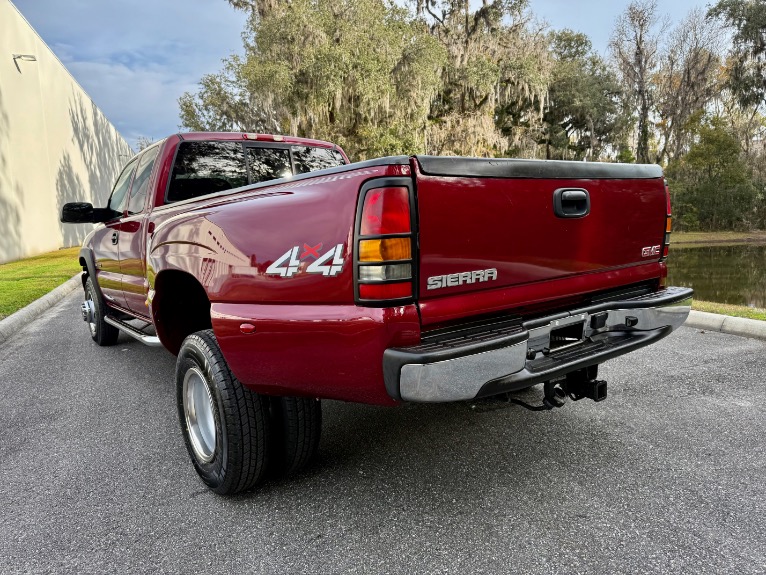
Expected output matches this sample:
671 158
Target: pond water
725 274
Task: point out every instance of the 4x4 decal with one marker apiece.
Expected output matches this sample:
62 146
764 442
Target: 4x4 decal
328 264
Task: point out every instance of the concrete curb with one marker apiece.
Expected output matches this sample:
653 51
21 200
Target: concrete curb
727 324
16 321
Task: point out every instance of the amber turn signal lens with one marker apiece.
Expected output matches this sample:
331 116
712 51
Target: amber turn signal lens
669 225
384 250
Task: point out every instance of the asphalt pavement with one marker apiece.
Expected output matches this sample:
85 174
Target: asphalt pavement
668 475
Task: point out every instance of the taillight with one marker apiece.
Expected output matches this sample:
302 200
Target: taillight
384 244
386 211
668 224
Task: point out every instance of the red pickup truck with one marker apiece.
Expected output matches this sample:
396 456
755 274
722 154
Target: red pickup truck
280 274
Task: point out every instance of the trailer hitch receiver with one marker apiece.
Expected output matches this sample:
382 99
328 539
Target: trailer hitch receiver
579 388
578 385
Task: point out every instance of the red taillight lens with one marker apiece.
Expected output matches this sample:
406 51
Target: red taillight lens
668 224
667 197
385 291
386 211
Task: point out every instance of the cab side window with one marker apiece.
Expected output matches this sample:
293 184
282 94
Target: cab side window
141 181
119 198
205 168
310 159
208 167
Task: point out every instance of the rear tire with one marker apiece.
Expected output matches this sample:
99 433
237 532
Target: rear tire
297 427
101 332
224 424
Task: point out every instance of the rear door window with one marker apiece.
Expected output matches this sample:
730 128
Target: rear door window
311 159
205 168
141 181
269 164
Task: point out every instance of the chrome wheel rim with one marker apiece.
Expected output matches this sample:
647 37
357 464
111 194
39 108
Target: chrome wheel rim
91 305
199 414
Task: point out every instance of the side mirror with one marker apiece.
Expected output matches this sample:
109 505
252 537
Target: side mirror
83 213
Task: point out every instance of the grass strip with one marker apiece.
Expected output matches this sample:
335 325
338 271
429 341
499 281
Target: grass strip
708 238
729 309
23 281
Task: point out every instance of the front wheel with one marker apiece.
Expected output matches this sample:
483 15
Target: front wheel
224 424
94 312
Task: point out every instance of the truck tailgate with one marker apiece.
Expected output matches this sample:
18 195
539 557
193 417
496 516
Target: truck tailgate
491 225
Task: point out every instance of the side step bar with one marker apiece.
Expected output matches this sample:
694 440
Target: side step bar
150 340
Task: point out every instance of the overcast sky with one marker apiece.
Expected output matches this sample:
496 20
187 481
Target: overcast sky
136 57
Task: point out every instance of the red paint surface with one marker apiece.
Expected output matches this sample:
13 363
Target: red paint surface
314 350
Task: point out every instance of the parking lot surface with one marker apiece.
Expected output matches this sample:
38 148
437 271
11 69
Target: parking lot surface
668 475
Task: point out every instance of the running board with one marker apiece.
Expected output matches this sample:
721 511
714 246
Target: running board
150 340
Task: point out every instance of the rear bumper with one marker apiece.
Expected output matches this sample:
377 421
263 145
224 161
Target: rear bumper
515 357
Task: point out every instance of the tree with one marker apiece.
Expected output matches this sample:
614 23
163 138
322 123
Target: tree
747 19
687 81
143 142
225 101
361 73
711 186
495 60
635 47
581 113
379 79
258 8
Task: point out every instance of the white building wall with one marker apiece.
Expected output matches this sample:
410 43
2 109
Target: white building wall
55 145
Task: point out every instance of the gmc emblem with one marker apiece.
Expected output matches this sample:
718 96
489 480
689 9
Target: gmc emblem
649 251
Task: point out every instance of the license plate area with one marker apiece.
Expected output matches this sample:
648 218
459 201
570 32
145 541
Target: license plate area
566 336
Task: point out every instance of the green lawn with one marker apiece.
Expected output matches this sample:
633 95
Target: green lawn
23 281
728 309
717 237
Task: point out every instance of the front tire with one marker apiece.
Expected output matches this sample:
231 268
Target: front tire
101 332
224 424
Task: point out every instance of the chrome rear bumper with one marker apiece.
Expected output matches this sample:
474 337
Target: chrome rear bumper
518 356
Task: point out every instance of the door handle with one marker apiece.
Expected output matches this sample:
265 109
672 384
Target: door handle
571 203
114 238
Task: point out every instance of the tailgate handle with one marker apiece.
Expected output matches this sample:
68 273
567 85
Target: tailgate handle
571 203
